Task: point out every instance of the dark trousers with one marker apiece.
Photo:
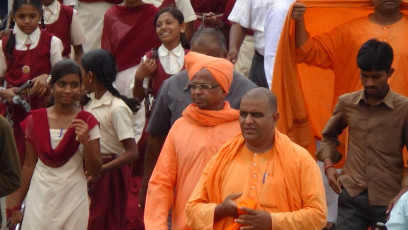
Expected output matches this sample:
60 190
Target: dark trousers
355 213
257 71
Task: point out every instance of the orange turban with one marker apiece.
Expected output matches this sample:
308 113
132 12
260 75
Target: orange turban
220 68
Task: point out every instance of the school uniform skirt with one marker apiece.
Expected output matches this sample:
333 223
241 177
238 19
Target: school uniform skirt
108 199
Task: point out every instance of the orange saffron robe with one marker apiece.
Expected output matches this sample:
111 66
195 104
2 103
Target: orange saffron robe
192 141
286 182
309 80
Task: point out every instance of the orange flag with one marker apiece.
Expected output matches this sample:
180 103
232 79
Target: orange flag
307 94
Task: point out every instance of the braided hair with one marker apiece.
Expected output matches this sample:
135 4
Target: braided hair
103 64
11 42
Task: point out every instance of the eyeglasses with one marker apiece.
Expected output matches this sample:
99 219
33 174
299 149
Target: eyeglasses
193 86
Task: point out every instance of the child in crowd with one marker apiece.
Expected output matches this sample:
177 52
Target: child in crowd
62 21
60 141
26 54
118 147
166 60
158 64
128 34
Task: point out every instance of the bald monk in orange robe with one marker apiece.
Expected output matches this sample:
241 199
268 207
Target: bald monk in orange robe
274 182
206 124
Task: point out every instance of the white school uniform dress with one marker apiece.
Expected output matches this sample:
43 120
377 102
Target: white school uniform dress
115 120
124 79
23 39
172 62
57 197
91 15
51 14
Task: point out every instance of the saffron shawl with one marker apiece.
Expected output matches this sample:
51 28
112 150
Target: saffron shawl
203 117
306 94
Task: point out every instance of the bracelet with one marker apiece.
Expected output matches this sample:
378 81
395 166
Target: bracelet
326 167
18 207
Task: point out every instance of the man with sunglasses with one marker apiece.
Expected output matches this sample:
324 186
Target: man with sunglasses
206 124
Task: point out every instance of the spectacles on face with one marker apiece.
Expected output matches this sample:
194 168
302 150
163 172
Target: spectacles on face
192 86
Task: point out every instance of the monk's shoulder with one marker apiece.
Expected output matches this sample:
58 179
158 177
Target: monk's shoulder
179 124
301 153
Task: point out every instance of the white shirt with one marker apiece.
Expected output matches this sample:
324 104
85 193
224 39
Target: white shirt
51 14
70 2
115 121
399 215
251 14
276 18
63 208
171 60
183 5
23 39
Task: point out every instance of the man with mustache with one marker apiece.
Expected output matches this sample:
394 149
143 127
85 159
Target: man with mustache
205 126
174 97
377 119
335 50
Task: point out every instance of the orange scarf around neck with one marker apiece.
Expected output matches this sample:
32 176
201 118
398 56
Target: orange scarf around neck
203 117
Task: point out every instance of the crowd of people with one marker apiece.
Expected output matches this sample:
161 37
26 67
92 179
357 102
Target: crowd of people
215 114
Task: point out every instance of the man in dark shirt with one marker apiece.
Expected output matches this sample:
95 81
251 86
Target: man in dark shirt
174 97
10 174
377 119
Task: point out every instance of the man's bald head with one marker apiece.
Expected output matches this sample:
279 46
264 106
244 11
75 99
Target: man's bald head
262 92
210 42
258 118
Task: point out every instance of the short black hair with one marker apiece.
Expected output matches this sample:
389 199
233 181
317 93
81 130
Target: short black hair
375 55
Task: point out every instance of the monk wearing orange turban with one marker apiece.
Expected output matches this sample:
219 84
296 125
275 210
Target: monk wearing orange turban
260 179
204 127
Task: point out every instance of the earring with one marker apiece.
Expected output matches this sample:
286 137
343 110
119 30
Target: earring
182 31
